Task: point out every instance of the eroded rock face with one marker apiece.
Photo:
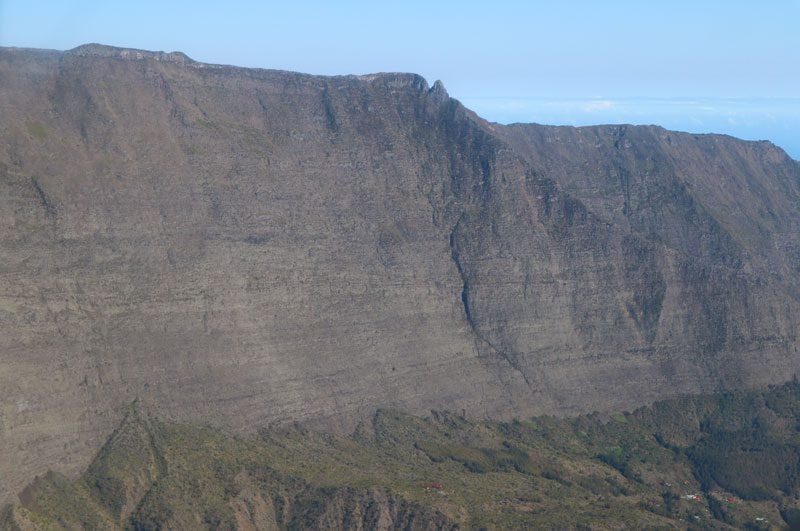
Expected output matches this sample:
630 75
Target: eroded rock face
243 247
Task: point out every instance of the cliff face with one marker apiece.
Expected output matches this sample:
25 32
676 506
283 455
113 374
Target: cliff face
243 247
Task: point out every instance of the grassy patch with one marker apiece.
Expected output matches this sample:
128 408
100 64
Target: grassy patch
37 130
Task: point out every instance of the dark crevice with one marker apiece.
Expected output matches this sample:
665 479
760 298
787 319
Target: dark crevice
48 205
162 468
512 361
465 283
265 110
161 461
330 114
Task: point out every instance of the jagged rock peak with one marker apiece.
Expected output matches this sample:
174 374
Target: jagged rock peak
402 81
438 91
102 50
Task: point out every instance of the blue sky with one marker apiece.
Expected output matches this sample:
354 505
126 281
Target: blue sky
723 66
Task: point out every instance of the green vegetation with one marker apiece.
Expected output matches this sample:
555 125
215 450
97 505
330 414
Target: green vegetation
37 130
708 462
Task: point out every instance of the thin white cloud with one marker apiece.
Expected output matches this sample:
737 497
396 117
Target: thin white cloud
598 105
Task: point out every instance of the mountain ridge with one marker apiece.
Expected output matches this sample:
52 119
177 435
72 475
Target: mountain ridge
243 247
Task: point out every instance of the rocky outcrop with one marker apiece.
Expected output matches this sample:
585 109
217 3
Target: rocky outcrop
101 50
243 247
350 508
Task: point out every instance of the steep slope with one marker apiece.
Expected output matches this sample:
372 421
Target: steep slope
662 259
231 245
243 247
711 250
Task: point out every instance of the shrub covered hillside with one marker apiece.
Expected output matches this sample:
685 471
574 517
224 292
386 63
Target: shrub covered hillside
708 462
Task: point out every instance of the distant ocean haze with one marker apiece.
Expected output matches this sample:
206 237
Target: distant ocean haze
773 119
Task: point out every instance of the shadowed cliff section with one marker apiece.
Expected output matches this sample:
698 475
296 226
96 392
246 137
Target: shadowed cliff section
243 247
